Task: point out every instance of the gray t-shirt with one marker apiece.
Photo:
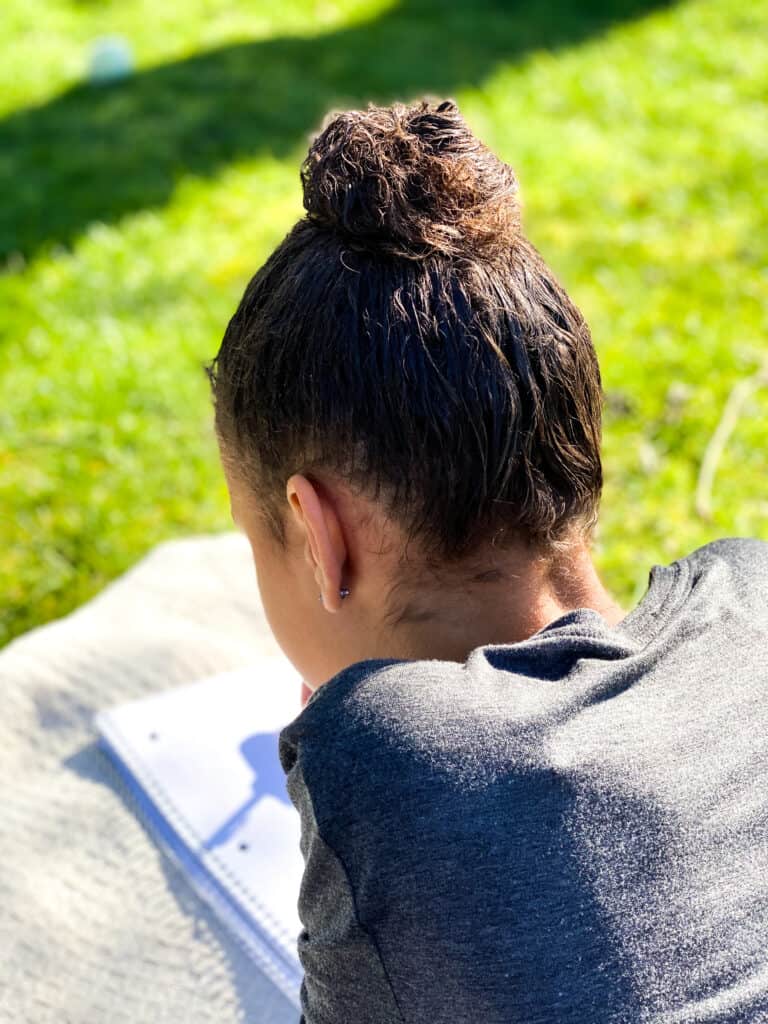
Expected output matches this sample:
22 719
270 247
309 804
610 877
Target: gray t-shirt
568 830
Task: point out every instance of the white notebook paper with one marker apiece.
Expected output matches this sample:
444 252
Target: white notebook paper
202 765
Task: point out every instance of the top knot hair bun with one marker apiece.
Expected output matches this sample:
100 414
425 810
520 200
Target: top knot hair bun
410 181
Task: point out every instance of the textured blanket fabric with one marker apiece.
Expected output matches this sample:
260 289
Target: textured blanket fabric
95 924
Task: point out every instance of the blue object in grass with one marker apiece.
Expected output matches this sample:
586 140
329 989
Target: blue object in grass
111 60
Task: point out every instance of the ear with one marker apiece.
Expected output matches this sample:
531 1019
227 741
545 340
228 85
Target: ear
325 547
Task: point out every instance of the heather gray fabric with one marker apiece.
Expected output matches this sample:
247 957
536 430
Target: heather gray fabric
568 830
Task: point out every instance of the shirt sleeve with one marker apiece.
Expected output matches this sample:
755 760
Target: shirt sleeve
344 978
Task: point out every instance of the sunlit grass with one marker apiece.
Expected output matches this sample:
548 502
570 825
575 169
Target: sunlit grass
642 149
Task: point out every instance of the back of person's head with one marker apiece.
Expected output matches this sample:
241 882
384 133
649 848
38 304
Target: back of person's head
407 338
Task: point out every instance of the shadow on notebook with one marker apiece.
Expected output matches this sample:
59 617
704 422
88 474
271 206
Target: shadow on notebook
260 754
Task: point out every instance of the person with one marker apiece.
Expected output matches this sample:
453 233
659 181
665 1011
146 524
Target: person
519 801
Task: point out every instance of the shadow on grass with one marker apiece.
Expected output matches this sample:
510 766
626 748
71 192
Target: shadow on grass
98 153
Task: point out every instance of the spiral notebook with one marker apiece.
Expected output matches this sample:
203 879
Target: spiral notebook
201 764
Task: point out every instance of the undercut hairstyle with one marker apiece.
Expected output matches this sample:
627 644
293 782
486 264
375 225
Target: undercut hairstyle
406 337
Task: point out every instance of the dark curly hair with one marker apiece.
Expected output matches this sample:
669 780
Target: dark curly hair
407 336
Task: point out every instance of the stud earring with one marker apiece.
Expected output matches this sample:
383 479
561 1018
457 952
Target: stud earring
344 592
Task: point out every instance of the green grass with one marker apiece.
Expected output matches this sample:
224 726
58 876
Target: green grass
133 215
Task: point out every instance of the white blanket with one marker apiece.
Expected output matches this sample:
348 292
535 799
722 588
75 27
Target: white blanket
95 924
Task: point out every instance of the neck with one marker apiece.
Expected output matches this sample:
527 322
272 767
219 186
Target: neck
503 603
